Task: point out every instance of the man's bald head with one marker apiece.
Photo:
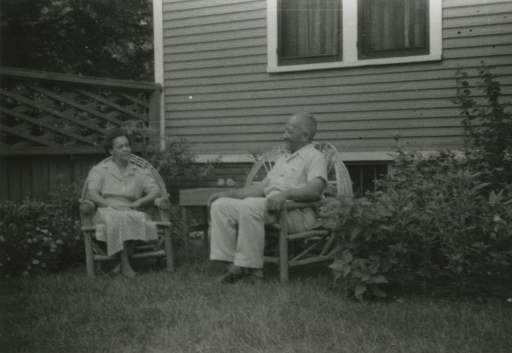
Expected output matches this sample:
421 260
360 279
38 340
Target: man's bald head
299 131
307 122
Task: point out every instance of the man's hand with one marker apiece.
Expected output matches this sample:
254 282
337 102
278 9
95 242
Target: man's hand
276 201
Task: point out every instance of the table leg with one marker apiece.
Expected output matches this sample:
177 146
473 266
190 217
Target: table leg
206 239
184 227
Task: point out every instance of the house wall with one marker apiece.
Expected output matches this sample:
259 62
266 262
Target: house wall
219 96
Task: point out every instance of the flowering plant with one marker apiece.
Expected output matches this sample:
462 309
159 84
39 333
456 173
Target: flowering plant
38 236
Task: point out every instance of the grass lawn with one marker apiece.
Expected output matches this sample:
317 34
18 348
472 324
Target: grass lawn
188 311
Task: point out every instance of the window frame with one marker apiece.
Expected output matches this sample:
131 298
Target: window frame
349 40
282 61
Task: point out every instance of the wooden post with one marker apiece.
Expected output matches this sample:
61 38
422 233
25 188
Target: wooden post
155 112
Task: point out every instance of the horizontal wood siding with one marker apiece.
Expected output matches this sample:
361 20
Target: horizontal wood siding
219 96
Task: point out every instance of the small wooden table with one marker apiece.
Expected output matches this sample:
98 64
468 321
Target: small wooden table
196 198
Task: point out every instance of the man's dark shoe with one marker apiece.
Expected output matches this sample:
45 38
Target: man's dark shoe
232 275
255 276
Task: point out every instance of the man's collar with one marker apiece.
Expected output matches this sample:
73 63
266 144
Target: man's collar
300 151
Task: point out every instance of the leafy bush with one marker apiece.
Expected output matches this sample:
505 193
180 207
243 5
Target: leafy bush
487 127
39 236
440 219
432 222
176 163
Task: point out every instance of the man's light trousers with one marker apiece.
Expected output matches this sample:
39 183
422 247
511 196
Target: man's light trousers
238 231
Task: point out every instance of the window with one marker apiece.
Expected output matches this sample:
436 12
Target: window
309 31
389 28
318 34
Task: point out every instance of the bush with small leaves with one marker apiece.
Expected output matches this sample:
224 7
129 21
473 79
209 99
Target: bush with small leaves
444 218
38 237
433 221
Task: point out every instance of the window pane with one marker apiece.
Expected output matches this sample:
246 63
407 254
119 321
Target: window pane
389 28
309 31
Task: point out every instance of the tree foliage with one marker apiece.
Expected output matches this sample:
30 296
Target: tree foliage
110 38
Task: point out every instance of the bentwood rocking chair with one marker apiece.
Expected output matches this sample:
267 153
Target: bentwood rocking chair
312 246
162 247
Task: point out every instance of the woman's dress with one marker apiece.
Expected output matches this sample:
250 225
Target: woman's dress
115 226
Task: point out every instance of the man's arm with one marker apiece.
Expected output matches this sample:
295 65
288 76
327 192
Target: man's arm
309 193
255 190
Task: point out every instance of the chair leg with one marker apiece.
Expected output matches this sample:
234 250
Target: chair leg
169 255
89 257
283 258
283 247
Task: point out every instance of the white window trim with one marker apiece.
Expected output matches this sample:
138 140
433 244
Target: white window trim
350 59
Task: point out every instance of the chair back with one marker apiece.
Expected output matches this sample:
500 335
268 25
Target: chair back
141 163
339 183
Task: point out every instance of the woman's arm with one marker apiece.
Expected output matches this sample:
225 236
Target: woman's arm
150 192
99 201
95 183
150 197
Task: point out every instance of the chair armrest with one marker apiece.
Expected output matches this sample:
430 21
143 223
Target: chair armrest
277 217
292 205
164 205
86 207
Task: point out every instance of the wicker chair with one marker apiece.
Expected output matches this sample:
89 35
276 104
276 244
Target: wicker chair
311 246
160 248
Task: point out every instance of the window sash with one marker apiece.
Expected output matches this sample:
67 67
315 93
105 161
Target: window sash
309 31
393 28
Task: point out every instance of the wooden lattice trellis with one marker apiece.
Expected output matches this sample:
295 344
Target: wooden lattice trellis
42 112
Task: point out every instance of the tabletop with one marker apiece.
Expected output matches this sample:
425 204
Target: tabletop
198 196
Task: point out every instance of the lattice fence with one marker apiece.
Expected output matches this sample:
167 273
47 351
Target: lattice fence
44 112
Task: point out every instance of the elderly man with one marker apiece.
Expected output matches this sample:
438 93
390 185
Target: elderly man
238 216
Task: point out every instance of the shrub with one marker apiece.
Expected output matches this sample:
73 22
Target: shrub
487 127
176 162
39 236
440 219
430 223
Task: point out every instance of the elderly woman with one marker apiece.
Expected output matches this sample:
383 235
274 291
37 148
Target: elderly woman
118 188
